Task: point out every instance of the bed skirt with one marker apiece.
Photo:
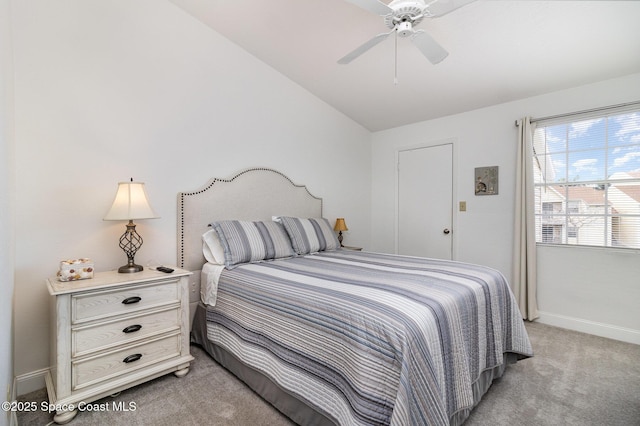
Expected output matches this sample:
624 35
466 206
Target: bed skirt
287 404
292 407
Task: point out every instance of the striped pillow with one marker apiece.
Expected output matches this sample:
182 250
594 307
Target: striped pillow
246 242
310 235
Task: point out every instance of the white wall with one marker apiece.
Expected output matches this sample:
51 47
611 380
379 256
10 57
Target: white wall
105 91
108 90
6 211
603 297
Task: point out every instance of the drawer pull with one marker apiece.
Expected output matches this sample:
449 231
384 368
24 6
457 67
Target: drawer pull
131 300
132 328
132 358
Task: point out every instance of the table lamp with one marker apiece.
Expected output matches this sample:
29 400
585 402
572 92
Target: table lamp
340 226
131 203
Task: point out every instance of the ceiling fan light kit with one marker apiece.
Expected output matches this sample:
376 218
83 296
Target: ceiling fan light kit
401 16
404 29
404 14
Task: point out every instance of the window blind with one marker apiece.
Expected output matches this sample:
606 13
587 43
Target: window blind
587 178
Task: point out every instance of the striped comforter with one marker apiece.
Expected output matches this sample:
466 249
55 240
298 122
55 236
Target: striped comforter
370 338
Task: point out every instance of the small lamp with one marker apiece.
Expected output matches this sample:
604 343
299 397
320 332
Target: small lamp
340 226
131 203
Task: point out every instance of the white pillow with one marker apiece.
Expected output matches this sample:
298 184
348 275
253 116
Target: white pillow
212 248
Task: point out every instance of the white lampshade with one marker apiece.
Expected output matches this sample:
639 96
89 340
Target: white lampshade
131 203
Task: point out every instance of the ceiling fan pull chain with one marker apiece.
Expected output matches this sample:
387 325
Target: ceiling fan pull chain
395 77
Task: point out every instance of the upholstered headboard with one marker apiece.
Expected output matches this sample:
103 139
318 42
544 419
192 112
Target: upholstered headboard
254 194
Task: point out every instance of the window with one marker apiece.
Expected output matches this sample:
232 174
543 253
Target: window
587 181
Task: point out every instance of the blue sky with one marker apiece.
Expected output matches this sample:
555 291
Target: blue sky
576 151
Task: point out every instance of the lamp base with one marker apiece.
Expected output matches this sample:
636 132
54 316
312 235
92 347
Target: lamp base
130 242
129 268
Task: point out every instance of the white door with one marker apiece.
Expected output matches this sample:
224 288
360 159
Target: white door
425 199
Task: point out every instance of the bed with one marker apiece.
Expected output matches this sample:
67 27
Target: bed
334 336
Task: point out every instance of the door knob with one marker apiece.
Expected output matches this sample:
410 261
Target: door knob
446 231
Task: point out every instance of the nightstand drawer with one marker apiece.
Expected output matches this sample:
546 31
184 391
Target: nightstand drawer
93 370
94 337
100 304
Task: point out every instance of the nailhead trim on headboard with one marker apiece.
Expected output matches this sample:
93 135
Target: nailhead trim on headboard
208 186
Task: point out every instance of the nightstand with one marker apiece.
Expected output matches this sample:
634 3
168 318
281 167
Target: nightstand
352 248
115 331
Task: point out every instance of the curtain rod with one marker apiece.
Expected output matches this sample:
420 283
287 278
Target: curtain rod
586 111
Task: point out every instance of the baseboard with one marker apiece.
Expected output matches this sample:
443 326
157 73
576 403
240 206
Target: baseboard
13 418
14 389
29 382
12 396
591 327
22 385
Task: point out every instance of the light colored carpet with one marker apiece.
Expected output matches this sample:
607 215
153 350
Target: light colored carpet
573 379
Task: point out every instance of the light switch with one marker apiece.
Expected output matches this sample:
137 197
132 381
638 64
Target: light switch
463 206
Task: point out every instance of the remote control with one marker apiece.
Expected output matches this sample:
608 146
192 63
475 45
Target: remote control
164 269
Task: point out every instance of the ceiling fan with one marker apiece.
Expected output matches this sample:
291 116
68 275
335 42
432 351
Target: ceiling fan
401 16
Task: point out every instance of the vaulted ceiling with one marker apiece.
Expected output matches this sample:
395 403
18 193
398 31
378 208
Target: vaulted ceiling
499 51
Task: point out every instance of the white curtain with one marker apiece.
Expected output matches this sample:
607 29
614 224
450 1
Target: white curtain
524 253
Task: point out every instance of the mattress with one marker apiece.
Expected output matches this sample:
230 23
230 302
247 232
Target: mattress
364 338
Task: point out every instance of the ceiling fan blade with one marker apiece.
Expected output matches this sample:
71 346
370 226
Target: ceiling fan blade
442 7
373 6
429 47
366 46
